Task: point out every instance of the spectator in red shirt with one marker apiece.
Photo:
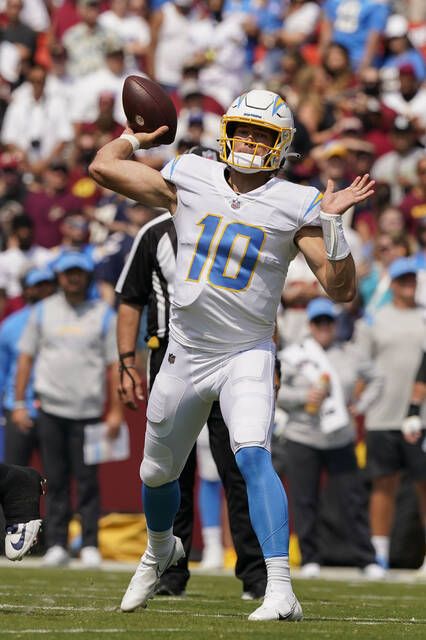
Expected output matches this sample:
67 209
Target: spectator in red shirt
48 205
105 128
64 17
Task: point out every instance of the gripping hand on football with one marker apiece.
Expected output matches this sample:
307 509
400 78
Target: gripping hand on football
337 202
148 140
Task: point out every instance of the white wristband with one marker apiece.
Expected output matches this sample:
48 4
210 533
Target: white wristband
132 139
334 239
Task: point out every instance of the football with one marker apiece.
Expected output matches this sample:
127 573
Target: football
147 107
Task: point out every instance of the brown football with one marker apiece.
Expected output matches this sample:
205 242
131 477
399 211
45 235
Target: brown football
147 107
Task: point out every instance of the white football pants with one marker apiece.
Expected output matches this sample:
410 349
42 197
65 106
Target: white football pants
188 382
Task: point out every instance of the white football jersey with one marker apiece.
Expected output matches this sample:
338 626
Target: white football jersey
233 253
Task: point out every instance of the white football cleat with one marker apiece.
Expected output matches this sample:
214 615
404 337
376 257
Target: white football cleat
278 606
374 571
310 570
90 557
56 556
212 558
147 575
20 538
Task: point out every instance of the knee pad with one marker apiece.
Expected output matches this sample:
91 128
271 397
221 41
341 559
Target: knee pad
253 401
157 464
164 400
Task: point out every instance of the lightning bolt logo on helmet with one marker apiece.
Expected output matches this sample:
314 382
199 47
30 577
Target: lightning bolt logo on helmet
263 109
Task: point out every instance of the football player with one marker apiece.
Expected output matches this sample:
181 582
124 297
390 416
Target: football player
238 227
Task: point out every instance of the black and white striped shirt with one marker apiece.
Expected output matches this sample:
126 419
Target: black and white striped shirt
147 277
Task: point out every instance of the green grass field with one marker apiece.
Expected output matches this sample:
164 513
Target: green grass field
57 604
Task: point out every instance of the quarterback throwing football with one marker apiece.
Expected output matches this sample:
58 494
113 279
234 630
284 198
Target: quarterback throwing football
238 227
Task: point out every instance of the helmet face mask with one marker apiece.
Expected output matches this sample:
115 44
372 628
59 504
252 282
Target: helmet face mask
261 109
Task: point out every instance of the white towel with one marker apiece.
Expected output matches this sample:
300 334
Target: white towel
313 362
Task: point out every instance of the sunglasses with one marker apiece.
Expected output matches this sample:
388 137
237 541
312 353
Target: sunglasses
323 320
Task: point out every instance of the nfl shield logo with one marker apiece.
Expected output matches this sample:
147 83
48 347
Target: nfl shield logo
171 358
235 204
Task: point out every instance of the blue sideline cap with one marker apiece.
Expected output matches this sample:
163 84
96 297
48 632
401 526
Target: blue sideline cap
73 260
35 276
401 267
321 307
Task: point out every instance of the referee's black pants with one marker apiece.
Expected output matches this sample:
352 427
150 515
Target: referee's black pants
61 441
250 567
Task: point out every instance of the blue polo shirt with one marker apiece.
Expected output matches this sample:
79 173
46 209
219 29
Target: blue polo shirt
11 331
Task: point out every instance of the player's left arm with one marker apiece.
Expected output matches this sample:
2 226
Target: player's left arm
326 250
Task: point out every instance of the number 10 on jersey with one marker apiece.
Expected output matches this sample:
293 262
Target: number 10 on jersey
221 257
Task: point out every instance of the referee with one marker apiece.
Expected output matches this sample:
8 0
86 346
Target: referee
147 280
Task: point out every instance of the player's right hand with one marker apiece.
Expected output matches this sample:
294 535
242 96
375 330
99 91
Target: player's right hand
22 420
147 140
130 389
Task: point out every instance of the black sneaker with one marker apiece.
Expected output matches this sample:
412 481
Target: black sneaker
254 592
21 506
168 588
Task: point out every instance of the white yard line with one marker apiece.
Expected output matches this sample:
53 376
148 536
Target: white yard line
327 573
55 631
49 607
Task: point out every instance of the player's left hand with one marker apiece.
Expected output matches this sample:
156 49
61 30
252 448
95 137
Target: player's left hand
113 421
338 202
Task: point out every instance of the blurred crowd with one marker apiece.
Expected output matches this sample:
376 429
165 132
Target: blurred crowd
352 71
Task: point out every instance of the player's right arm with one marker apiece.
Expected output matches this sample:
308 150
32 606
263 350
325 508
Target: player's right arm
112 169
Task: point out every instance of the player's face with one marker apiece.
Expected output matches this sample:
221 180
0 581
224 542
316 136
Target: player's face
247 136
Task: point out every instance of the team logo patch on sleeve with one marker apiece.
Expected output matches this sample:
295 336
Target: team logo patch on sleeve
171 358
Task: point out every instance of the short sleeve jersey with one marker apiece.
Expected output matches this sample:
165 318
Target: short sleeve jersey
233 253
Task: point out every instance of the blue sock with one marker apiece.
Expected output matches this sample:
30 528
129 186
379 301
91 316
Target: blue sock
210 502
161 504
267 500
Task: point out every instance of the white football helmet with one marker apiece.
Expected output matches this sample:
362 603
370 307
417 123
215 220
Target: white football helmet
264 109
